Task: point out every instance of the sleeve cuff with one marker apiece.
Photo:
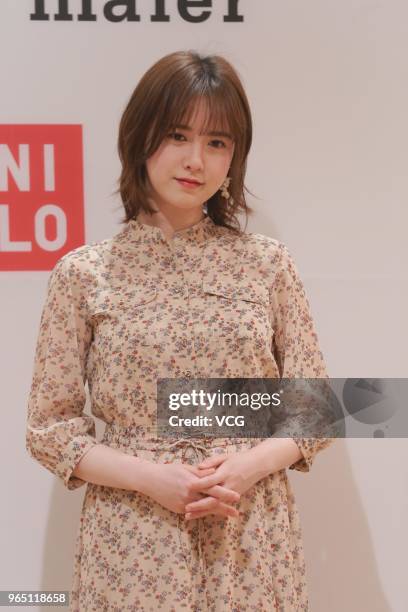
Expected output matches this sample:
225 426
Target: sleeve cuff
77 448
305 463
309 447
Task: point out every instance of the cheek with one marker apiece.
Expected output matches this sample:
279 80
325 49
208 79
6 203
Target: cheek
152 165
159 163
220 169
227 160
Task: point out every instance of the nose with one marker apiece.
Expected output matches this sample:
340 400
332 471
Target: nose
194 156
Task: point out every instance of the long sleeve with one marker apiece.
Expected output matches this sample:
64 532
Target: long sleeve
58 434
295 344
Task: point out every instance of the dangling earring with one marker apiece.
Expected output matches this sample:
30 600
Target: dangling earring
224 190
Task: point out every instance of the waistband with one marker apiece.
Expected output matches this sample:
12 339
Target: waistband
145 436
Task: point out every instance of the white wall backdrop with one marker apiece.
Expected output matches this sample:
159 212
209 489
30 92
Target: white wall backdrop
327 82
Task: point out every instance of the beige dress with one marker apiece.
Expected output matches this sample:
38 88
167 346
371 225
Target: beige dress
121 313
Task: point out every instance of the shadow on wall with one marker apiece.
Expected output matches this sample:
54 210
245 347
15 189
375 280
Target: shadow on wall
342 573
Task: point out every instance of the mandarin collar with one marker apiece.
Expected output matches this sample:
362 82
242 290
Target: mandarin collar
135 232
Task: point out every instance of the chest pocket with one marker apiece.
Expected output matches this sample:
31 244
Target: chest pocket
237 310
119 299
122 313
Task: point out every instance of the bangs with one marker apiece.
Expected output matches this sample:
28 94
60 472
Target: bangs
215 114
219 107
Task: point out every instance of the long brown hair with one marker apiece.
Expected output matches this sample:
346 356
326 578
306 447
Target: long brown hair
164 97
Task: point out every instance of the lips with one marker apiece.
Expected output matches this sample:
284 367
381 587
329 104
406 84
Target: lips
188 180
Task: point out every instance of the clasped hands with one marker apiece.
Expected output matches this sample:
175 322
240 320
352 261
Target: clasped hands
209 487
233 474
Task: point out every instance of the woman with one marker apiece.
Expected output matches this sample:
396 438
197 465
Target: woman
181 291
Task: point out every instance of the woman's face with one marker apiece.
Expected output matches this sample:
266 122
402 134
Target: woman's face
185 153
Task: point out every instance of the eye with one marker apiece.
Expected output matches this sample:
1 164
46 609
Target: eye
175 135
220 142
178 137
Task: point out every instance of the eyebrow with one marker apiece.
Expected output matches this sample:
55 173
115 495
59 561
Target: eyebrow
220 134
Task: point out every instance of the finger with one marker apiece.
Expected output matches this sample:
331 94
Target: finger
204 472
213 461
201 473
206 503
208 481
195 499
224 511
198 506
198 472
222 494
212 484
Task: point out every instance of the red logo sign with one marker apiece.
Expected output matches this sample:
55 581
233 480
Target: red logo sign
41 194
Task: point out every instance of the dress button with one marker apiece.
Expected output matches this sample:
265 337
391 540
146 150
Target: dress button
188 373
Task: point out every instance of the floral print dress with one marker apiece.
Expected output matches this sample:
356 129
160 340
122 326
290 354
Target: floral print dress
121 313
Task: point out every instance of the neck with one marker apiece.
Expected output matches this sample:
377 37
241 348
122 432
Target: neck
171 223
